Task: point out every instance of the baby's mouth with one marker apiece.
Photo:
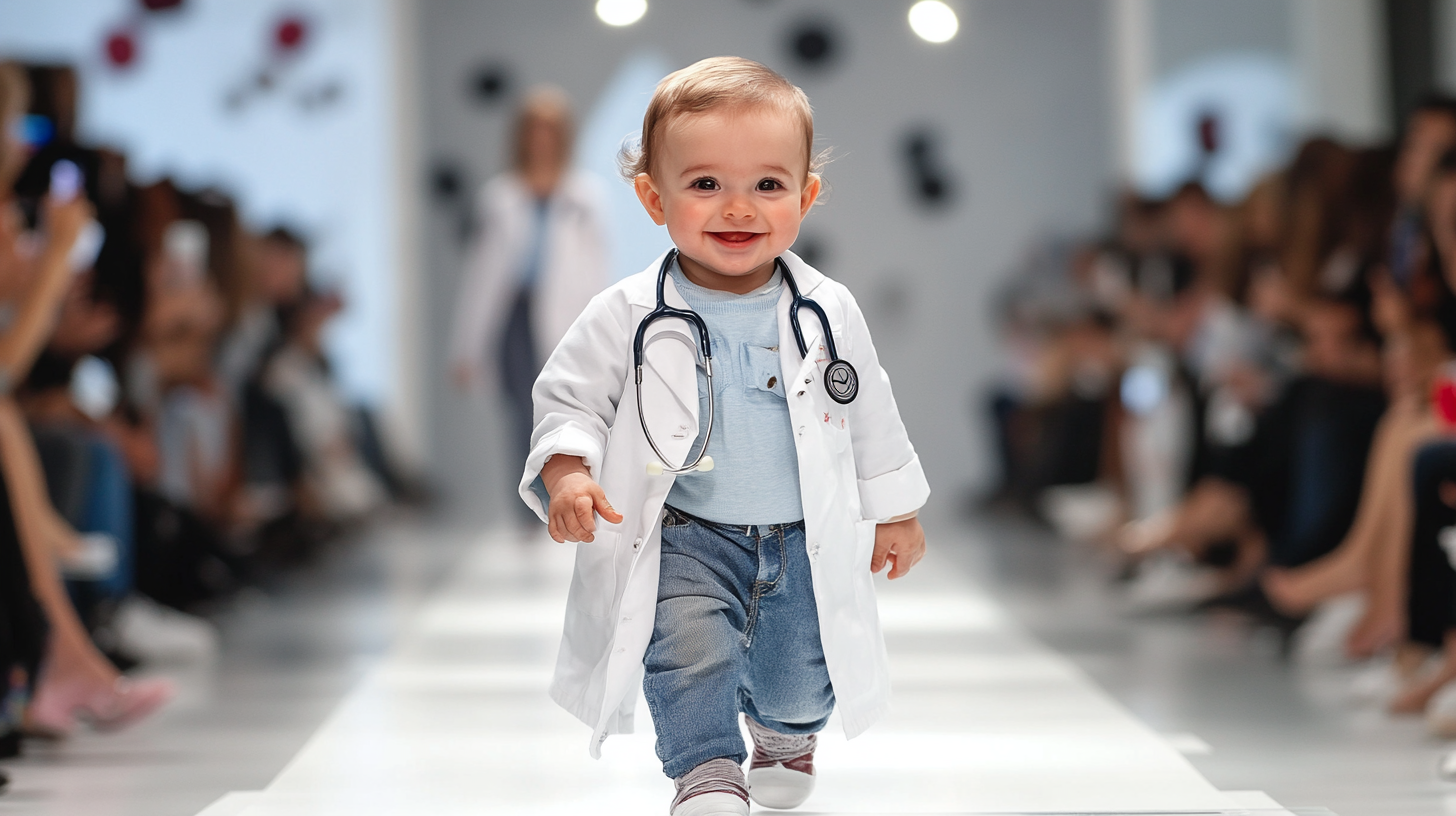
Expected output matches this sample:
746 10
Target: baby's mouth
736 238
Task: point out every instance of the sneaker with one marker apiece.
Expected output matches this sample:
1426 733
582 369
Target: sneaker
712 804
781 775
714 788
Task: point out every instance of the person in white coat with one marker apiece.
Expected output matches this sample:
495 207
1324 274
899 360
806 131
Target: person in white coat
540 256
746 587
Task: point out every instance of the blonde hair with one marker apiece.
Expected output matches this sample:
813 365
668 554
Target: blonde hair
550 105
716 82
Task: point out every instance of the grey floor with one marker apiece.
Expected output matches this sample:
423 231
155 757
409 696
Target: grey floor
291 654
1288 728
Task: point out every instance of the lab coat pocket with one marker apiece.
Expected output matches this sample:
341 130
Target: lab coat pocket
594 581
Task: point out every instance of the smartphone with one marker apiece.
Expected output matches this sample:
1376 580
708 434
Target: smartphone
95 389
66 180
35 131
185 244
87 247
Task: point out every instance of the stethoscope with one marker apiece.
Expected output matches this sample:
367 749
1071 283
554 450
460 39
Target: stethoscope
840 378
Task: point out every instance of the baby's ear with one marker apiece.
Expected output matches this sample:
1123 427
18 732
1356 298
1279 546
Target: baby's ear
813 186
651 199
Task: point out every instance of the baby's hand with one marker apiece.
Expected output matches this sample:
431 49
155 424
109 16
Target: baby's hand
574 499
901 544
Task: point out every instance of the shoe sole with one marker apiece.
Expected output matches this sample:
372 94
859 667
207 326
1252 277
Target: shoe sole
778 787
712 804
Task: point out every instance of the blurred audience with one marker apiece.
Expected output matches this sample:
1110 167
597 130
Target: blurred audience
170 431
1252 406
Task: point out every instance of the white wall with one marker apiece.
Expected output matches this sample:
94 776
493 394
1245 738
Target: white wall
1340 59
335 171
1019 98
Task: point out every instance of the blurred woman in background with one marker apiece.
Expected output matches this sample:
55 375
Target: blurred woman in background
540 256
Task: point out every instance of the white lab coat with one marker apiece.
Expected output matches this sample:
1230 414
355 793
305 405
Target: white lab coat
856 465
574 265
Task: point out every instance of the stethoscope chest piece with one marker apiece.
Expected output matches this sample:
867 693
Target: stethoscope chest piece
841 381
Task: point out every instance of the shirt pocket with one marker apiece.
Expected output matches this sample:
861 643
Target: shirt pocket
762 372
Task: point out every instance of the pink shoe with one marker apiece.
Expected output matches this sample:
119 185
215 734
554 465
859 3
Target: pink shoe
56 709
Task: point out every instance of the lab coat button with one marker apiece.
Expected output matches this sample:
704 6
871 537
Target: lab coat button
637 545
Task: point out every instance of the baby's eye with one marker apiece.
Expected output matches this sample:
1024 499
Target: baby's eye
705 184
768 185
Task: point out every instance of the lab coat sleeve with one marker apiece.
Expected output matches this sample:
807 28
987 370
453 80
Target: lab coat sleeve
577 393
468 340
891 482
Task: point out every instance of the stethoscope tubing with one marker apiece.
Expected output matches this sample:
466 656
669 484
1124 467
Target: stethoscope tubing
841 381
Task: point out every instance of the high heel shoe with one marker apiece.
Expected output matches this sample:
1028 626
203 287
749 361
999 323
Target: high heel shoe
58 706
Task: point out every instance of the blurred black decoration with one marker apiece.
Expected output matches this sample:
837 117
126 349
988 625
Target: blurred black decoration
930 183
813 43
490 83
447 182
450 189
811 249
161 5
1208 132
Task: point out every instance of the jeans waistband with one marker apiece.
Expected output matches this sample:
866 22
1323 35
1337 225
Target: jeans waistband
740 529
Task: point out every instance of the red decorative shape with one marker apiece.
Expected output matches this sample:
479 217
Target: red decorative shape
121 49
1443 399
290 33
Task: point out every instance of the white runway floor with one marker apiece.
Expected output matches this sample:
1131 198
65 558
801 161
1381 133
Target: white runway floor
454 719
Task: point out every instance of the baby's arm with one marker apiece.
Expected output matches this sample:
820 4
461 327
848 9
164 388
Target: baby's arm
574 499
892 486
576 400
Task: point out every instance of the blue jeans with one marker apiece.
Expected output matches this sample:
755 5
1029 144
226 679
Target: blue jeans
737 629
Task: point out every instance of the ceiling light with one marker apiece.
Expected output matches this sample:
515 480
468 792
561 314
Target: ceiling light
932 20
621 12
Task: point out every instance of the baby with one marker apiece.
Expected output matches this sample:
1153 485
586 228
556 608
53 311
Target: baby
744 585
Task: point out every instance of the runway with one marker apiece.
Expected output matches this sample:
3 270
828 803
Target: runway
454 719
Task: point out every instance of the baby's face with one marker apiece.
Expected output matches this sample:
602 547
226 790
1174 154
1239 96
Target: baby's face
732 187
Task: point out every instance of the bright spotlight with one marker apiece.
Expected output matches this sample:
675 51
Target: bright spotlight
621 12
932 20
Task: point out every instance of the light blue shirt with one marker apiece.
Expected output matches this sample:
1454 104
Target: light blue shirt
755 477
530 268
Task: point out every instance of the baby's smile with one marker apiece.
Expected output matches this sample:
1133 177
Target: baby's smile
736 239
